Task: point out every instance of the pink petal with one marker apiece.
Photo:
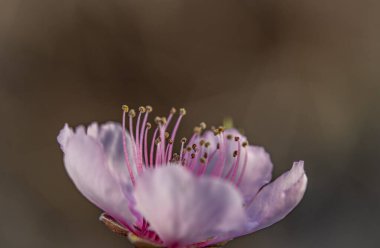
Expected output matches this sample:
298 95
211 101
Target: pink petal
111 137
258 172
185 209
64 135
278 199
86 164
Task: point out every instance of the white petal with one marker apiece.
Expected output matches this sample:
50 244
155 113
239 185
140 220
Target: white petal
185 209
278 199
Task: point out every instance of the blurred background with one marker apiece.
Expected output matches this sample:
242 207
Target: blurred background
301 78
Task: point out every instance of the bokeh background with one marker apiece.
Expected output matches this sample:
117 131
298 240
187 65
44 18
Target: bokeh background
301 78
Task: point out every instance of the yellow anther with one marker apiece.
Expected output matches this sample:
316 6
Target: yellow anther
245 143
188 148
173 110
182 111
166 135
148 125
157 120
197 130
207 144
183 140
157 141
163 120
229 136
202 160
203 125
142 109
125 108
202 142
132 113
149 108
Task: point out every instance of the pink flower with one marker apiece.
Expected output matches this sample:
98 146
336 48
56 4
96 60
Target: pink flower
215 189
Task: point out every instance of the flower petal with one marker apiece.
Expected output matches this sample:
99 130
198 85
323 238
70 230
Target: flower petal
86 164
257 173
278 199
184 209
110 135
64 135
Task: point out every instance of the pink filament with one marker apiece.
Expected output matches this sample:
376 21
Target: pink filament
126 151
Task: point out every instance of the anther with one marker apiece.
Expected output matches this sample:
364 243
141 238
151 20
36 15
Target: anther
193 155
229 136
182 111
125 108
237 138
202 142
194 146
197 130
142 109
157 120
157 141
217 146
167 135
170 141
148 125
163 120
203 125
235 153
188 148
173 111
183 140
244 144
205 155
132 113
202 160
149 108
207 144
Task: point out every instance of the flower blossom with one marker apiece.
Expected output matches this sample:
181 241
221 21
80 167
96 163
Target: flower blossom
217 187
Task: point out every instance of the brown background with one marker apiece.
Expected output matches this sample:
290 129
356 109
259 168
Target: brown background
300 77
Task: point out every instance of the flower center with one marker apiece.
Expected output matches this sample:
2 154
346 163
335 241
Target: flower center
223 156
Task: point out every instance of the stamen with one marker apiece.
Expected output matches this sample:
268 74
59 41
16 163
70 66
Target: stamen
182 112
203 125
142 109
194 146
148 127
125 108
167 135
236 164
131 115
244 166
171 114
130 171
152 147
218 169
183 141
